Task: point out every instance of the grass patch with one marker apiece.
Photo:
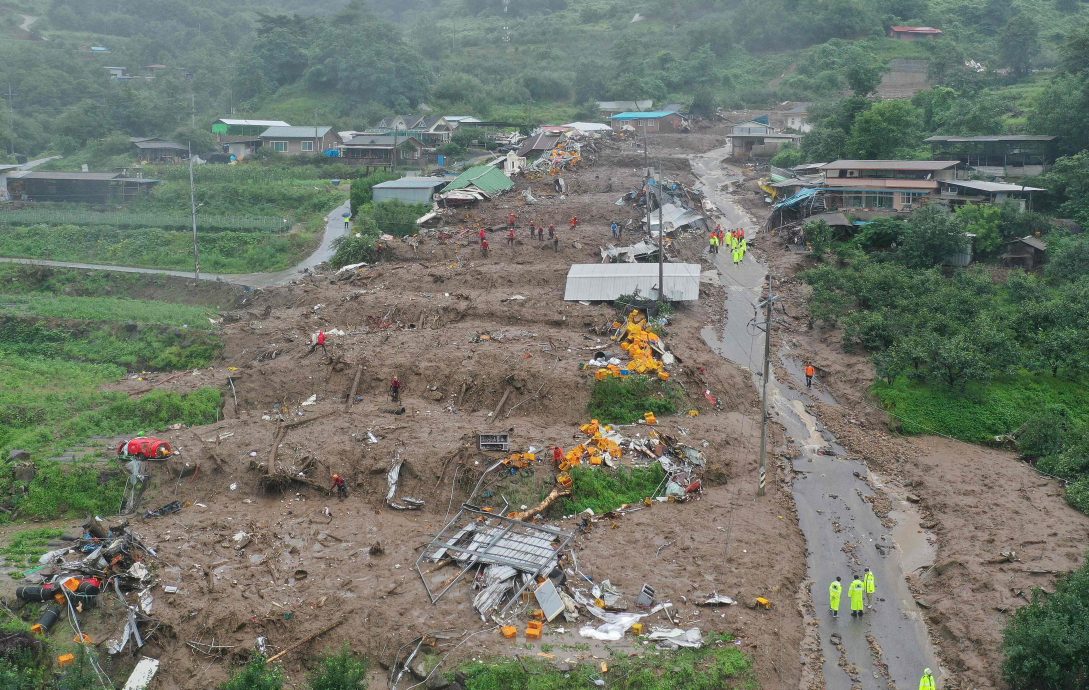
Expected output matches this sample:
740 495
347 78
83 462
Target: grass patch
20 279
131 346
107 309
624 400
27 546
603 490
717 665
981 411
220 252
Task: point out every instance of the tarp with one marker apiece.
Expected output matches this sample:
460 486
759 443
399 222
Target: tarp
675 217
796 198
484 177
589 126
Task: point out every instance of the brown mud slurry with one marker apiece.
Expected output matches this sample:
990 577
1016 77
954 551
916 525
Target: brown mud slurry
458 330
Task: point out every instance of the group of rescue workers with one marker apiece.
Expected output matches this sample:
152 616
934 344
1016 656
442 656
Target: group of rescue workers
862 594
735 240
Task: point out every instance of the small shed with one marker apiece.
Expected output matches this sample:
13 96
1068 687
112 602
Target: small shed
1028 253
410 190
607 282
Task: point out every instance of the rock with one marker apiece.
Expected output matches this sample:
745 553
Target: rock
836 639
376 549
438 682
912 498
17 455
25 472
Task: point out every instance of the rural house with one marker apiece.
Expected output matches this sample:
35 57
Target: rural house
239 146
914 33
1000 155
381 150
796 117
651 121
959 192
76 187
156 150
299 140
898 185
756 139
1028 253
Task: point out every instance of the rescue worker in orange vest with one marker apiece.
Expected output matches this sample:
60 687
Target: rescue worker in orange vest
511 219
483 234
510 236
484 248
395 389
810 372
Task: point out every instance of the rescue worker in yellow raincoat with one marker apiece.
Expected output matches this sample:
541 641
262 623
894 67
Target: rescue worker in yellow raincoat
871 587
855 594
835 591
927 682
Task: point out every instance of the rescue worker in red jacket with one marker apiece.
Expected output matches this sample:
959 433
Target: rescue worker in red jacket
340 486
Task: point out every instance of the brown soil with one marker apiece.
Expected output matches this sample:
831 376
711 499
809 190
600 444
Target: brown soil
458 329
975 502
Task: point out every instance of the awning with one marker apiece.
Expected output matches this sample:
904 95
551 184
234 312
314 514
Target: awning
796 198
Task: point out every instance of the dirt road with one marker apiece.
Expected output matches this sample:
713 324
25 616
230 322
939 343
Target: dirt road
334 228
890 646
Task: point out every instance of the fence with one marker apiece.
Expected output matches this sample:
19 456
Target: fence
44 216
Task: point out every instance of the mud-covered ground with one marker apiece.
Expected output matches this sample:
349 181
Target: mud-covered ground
459 330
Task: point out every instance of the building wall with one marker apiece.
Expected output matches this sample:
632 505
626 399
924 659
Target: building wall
295 146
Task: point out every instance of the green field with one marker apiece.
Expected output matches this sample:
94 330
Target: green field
56 354
251 218
220 252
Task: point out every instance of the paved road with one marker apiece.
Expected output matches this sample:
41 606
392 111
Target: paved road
843 535
334 228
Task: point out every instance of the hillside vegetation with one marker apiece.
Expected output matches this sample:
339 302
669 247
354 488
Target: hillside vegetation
350 63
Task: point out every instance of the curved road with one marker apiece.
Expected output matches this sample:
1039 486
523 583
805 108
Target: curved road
889 647
334 228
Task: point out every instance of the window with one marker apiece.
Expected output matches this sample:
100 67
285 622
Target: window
308 146
279 146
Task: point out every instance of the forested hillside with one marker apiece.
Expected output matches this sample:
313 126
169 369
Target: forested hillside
350 63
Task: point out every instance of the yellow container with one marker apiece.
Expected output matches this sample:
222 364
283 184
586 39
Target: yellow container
509 631
65 659
564 480
663 375
637 628
595 460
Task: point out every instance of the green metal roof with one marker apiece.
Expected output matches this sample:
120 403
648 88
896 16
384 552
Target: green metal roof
488 179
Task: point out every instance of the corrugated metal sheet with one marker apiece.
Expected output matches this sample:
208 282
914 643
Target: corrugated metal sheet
483 177
606 282
675 217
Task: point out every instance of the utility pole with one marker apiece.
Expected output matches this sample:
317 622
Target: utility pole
11 116
661 239
771 299
193 207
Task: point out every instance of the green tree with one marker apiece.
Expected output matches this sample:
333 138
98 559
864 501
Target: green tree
704 103
863 72
340 671
958 359
885 131
1069 258
984 221
1068 188
256 675
1019 43
788 156
818 235
1046 645
931 236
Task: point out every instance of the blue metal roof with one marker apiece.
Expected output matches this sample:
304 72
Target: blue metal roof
649 115
797 198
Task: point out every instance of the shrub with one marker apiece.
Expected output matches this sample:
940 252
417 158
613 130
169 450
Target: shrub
1046 645
602 489
256 675
343 670
624 400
